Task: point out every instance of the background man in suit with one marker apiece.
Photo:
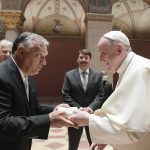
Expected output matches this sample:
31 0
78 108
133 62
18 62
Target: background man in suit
5 49
107 86
87 96
21 116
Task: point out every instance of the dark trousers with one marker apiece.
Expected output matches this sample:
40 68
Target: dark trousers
74 136
18 144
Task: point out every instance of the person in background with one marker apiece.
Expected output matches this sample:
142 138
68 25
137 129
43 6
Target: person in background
82 88
108 88
22 118
5 49
123 120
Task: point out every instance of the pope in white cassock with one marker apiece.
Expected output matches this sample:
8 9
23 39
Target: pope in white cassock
124 119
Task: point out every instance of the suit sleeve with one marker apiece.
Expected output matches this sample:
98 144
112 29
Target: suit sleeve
40 108
108 89
12 126
66 93
99 97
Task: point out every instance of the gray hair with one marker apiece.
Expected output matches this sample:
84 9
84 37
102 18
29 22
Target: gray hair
6 42
29 40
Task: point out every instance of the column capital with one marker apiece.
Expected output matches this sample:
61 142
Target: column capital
12 18
98 17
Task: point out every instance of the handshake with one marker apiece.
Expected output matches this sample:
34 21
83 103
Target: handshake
64 115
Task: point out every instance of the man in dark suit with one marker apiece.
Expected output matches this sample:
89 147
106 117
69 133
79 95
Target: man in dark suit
21 116
82 88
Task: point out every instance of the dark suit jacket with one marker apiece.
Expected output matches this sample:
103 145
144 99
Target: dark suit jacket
107 88
73 92
20 119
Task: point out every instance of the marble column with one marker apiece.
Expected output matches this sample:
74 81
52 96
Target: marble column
13 22
96 26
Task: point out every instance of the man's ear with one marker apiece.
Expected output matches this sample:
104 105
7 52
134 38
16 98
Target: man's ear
119 48
20 52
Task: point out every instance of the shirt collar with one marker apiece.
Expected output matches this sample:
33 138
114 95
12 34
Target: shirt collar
80 70
24 77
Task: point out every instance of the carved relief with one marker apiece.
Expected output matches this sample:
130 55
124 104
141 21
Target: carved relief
55 17
12 19
57 25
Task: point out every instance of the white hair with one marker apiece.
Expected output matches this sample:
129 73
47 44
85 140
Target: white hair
5 42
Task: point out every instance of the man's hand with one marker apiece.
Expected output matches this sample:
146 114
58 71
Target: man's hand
97 146
81 118
87 109
58 119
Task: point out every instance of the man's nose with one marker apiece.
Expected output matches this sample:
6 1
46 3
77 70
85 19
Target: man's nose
83 59
44 61
8 53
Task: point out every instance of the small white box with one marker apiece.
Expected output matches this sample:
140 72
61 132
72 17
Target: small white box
70 110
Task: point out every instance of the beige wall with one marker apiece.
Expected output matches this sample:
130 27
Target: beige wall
95 29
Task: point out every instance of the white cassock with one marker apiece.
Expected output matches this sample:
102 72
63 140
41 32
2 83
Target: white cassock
124 119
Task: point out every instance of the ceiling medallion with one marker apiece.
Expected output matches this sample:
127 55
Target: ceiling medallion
58 26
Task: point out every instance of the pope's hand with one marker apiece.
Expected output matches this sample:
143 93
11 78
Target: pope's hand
88 109
81 118
58 119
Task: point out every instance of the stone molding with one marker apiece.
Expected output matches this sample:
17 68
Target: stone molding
12 18
98 17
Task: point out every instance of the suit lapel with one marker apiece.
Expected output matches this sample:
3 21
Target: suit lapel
77 78
31 96
90 77
18 82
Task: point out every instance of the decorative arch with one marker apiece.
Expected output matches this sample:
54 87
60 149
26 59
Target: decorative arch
24 4
55 17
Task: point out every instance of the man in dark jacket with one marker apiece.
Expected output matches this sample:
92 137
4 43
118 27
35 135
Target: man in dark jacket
83 88
21 116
